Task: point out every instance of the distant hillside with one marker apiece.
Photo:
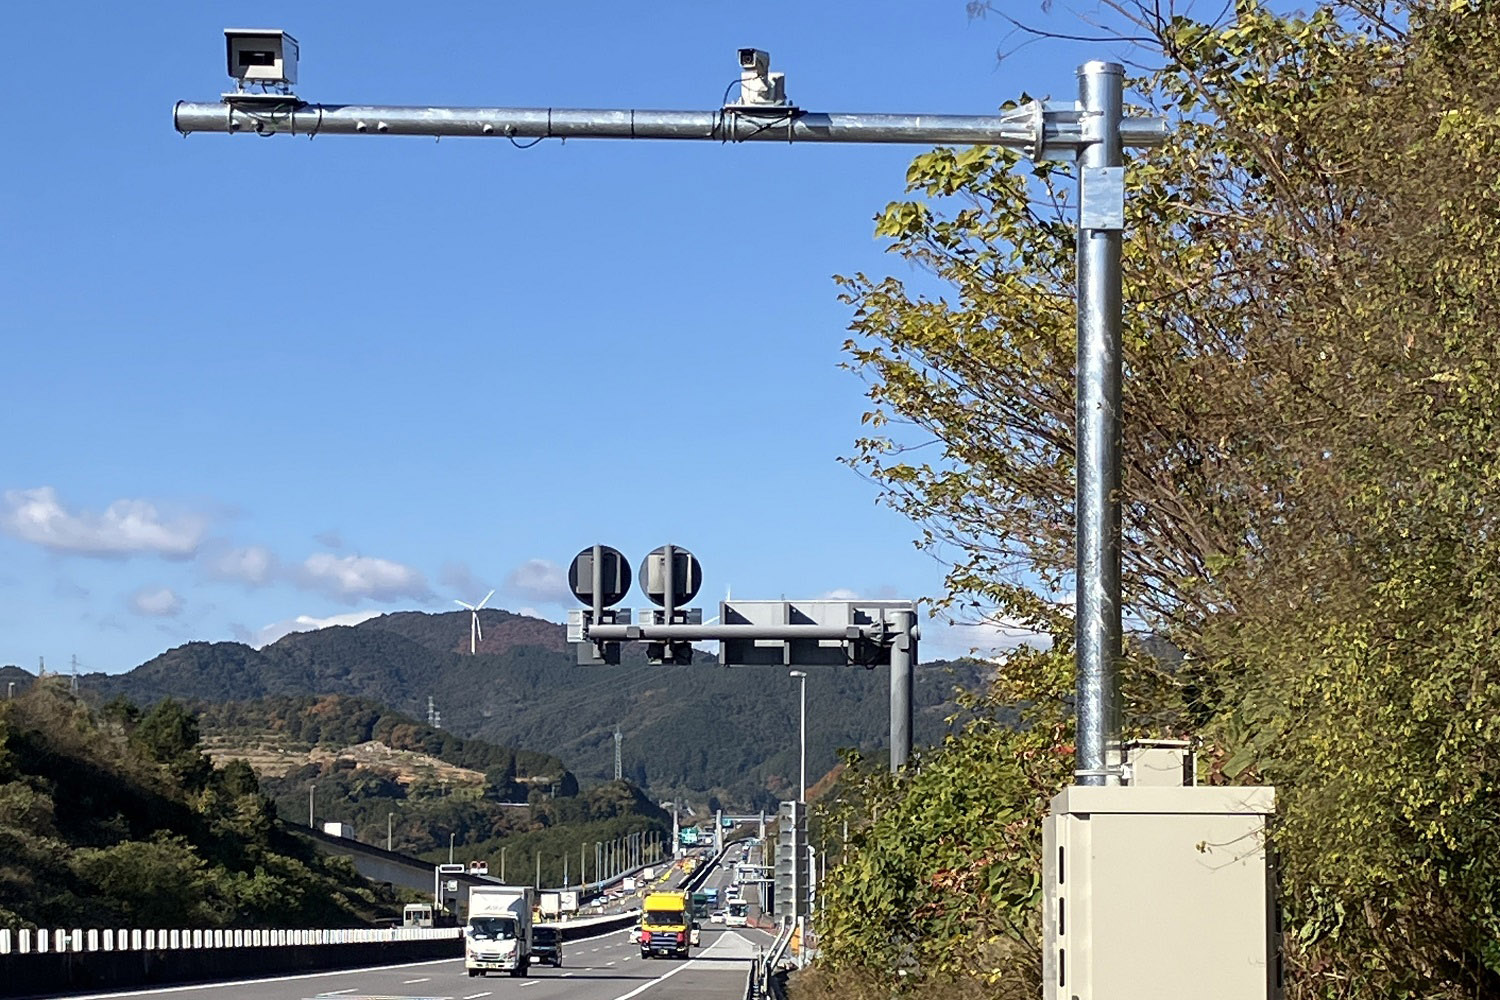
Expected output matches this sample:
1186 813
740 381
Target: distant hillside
387 775
111 818
700 729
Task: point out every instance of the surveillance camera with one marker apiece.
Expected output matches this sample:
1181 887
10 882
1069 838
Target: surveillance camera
755 59
261 55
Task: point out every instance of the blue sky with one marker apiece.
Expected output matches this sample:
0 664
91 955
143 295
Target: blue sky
249 381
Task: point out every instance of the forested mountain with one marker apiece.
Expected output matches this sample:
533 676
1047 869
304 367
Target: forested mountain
389 776
112 818
700 729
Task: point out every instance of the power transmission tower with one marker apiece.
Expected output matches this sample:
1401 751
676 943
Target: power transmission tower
618 738
434 717
73 679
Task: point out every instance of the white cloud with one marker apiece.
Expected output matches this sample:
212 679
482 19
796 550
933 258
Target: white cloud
124 528
985 640
840 594
253 565
156 602
302 623
351 578
540 580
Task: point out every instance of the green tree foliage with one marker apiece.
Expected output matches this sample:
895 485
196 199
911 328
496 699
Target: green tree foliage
116 818
940 873
1309 468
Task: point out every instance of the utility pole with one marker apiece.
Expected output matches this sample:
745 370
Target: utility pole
618 738
73 679
539 869
388 817
310 789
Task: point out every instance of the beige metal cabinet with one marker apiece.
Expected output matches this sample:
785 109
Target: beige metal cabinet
1159 893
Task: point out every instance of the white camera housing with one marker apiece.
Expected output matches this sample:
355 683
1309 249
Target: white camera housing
757 60
759 87
261 55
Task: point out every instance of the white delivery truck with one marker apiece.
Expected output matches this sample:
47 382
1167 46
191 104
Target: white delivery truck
497 937
551 905
339 830
569 900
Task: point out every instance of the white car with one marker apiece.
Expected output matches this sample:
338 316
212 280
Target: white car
716 917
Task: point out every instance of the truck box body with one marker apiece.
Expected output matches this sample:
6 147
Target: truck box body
497 937
551 905
666 924
569 900
339 830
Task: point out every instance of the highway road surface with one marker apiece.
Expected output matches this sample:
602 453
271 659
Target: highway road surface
607 967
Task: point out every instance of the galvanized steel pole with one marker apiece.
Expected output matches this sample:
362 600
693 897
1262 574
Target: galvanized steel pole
1093 131
903 671
1060 129
1097 509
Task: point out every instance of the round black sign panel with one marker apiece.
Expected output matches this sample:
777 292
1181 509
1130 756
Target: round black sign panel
687 576
616 575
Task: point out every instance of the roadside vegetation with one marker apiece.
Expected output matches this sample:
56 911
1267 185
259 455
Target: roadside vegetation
115 818
1310 493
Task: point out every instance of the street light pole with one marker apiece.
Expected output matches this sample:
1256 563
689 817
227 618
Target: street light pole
388 817
310 789
450 848
801 676
502 863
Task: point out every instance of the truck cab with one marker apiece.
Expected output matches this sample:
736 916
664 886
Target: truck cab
666 924
498 935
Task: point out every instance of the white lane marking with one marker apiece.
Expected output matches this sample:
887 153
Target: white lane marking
334 993
596 949
475 996
532 983
408 982
662 978
263 979
565 975
609 963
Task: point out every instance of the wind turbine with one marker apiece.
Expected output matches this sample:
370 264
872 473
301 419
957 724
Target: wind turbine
475 632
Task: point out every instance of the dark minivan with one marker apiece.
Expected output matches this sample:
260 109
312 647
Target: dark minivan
546 945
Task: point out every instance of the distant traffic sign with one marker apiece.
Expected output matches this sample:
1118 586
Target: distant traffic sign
615 575
687 576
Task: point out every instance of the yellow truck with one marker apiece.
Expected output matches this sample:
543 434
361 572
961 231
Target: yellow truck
667 924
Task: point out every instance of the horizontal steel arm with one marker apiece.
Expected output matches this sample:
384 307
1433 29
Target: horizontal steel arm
1063 131
708 633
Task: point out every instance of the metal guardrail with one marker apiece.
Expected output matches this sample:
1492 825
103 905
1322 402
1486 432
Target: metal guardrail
93 939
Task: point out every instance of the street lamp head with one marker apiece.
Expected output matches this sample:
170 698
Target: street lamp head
798 673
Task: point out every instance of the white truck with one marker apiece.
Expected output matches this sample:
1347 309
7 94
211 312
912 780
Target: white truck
339 830
569 900
550 905
497 937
